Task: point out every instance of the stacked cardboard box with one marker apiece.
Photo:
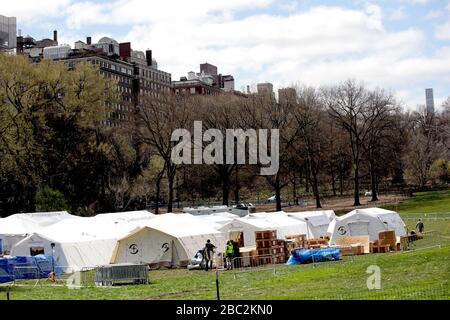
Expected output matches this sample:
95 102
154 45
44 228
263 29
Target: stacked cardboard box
351 250
355 240
248 255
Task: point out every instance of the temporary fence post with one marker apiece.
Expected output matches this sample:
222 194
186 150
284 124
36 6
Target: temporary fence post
217 284
7 293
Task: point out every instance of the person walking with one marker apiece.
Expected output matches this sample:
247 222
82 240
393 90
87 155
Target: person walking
209 255
420 226
229 253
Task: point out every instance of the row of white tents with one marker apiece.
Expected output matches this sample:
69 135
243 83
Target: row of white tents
171 239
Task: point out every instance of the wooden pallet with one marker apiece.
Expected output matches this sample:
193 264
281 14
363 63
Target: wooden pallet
262 243
266 235
264 251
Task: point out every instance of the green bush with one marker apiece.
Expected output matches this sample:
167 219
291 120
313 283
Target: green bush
48 200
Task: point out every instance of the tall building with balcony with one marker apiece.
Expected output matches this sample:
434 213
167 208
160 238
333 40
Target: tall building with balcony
136 73
8 33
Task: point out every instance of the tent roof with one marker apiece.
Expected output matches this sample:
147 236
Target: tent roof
371 212
182 225
270 220
100 227
25 223
126 216
316 218
216 219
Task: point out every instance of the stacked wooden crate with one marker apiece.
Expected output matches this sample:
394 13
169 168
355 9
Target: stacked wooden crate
388 238
271 248
317 243
387 241
297 241
279 251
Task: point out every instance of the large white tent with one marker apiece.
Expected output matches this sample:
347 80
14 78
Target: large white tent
368 221
83 242
18 226
278 221
318 221
168 240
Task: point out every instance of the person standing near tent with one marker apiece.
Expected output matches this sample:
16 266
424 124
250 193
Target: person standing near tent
236 254
420 226
209 254
229 253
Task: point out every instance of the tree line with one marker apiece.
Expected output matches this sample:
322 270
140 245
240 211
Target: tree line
56 153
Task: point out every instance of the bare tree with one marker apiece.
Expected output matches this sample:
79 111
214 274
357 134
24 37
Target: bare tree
379 114
310 119
349 104
264 112
222 113
158 118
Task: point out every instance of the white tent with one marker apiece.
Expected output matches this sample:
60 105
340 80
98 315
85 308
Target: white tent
318 221
278 221
368 221
201 211
17 227
83 242
218 218
168 240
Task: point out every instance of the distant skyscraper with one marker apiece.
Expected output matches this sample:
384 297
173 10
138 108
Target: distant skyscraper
287 96
8 33
266 89
430 100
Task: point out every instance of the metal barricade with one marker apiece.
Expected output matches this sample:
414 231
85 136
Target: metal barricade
121 273
26 272
253 261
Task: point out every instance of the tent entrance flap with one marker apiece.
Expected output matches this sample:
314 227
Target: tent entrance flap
359 228
35 251
237 236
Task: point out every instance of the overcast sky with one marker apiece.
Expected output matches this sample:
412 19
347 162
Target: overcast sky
400 45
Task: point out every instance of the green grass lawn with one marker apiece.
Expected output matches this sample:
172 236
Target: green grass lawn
418 274
413 275
434 209
424 203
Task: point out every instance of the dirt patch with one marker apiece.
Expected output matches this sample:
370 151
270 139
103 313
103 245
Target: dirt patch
336 204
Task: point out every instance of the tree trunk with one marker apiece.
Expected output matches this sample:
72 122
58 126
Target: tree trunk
341 179
158 193
278 192
225 189
171 178
315 185
373 175
333 182
307 180
236 190
294 190
356 179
